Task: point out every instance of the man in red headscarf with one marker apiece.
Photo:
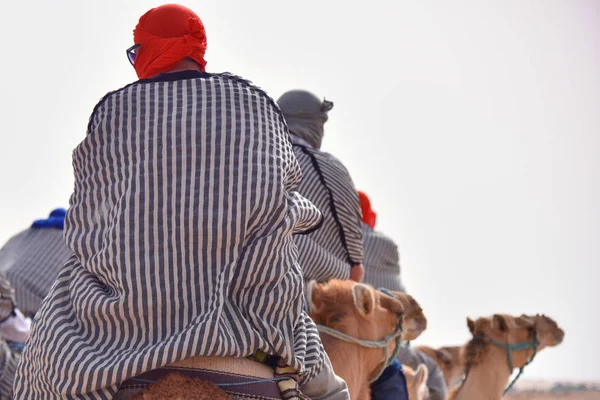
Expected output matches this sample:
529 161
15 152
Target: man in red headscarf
382 270
168 38
181 226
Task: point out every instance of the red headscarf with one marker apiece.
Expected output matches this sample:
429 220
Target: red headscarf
166 35
369 216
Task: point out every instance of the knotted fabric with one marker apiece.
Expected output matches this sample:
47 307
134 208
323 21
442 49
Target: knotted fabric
167 35
369 216
305 115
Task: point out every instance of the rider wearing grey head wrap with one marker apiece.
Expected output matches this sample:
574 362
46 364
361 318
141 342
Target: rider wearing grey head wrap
305 114
335 249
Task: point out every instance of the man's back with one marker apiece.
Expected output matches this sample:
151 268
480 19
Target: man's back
330 251
181 223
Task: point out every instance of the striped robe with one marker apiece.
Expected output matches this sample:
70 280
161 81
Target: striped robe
381 260
31 261
8 358
330 251
181 225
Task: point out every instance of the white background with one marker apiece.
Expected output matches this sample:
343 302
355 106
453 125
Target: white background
473 125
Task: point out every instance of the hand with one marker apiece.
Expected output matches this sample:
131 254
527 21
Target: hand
357 272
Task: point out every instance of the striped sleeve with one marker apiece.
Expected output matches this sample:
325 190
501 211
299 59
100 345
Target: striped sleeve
331 250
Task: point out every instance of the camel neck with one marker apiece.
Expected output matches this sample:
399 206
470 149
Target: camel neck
487 380
349 362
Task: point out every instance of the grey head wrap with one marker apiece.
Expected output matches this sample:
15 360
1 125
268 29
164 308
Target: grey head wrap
305 115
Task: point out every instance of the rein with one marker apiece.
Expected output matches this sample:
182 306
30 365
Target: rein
534 344
381 344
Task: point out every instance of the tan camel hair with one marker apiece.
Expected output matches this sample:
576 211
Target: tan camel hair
178 387
486 364
450 361
360 311
415 322
416 381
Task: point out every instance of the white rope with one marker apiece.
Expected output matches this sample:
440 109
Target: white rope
382 344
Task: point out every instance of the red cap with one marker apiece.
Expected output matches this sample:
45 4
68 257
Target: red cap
167 35
369 216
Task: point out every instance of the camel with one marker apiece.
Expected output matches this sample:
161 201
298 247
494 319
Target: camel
360 314
416 382
450 361
501 343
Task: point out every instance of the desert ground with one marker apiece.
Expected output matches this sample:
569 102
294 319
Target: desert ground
553 396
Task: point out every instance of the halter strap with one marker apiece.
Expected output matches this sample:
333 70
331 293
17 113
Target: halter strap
381 344
516 347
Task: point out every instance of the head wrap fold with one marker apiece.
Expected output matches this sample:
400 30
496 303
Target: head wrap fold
167 35
305 115
369 216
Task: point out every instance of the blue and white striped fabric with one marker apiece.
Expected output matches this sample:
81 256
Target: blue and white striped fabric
31 261
381 260
7 299
9 360
330 251
181 225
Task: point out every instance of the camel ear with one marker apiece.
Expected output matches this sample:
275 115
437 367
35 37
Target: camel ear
471 325
363 299
314 300
421 375
499 322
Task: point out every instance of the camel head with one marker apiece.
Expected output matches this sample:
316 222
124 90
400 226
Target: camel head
450 361
358 311
417 382
519 334
548 332
414 319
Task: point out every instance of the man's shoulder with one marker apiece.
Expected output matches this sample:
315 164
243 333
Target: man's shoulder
193 76
321 156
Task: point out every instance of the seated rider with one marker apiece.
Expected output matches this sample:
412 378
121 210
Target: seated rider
31 260
335 249
382 270
181 224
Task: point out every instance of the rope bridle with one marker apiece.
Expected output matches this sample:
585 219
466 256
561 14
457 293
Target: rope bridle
533 344
381 344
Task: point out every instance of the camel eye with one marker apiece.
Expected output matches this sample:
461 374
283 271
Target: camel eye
336 318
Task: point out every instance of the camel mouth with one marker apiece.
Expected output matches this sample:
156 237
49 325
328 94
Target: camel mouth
559 336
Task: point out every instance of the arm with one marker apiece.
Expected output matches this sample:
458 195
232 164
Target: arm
345 206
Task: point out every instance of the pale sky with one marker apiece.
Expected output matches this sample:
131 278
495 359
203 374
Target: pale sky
473 125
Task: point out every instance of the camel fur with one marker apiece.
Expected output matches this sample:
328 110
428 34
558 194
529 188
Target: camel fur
450 361
416 381
362 312
487 369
